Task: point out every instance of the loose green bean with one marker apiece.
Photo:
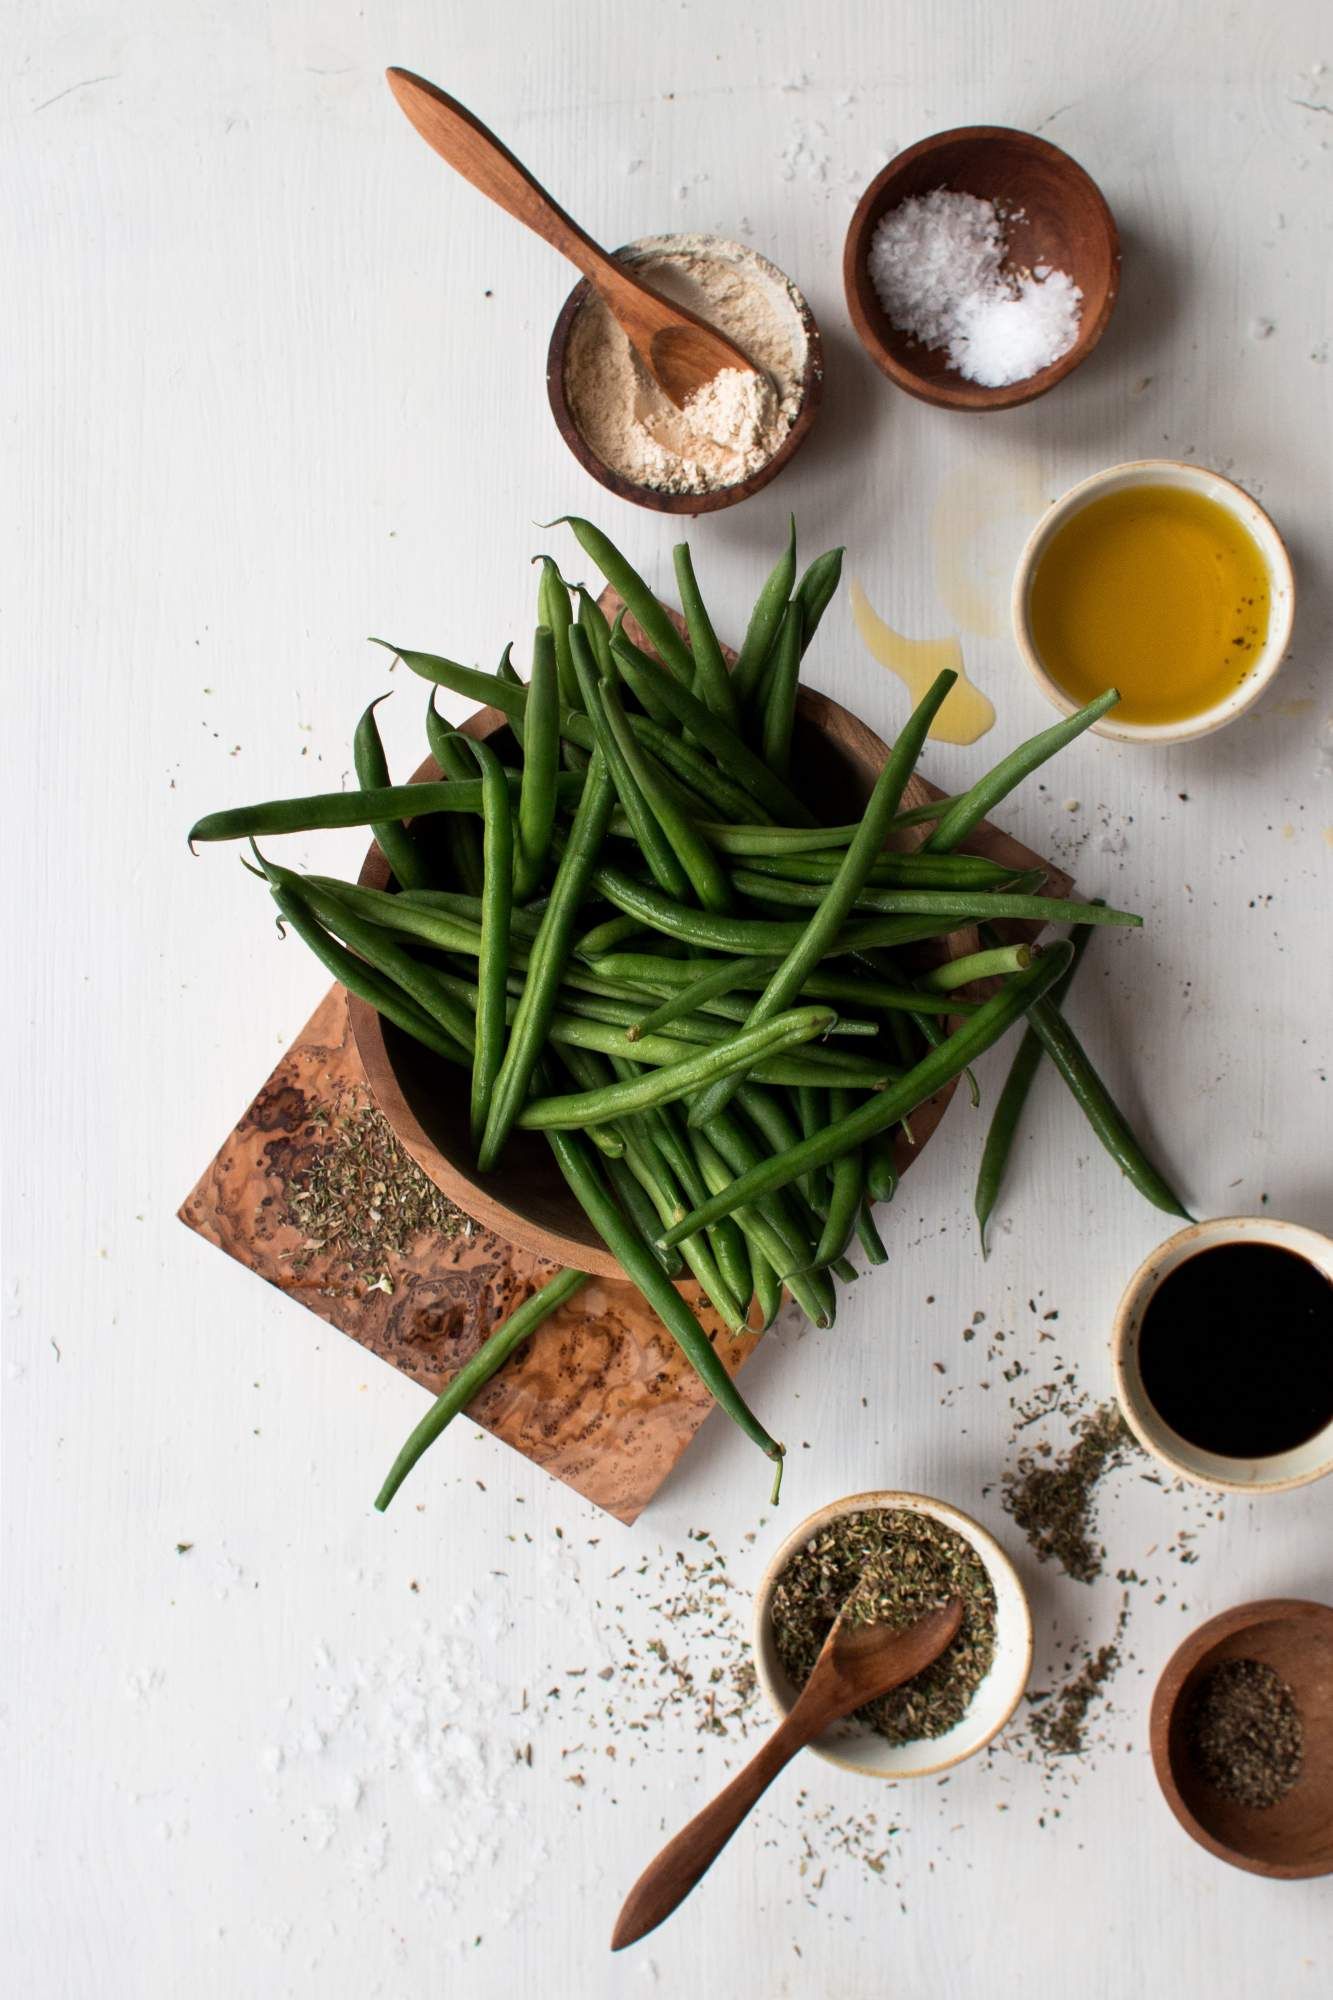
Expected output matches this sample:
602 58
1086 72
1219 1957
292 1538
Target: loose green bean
969 810
779 701
473 1376
1009 1104
493 955
765 619
712 683
869 1237
323 810
1100 1109
394 840
549 952
541 768
992 964
639 1266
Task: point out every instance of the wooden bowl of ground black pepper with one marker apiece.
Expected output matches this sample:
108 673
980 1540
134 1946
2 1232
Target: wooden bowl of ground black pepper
1242 1737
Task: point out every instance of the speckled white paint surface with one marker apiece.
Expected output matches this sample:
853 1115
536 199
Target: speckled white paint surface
274 380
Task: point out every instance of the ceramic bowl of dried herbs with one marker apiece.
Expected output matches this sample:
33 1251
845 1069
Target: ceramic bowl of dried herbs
891 1557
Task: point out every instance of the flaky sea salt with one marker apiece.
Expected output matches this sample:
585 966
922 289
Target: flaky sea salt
937 265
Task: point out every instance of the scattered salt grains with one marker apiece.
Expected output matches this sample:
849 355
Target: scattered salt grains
937 263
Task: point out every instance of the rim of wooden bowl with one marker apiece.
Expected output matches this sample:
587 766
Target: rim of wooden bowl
812 390
948 390
1178 1677
482 1198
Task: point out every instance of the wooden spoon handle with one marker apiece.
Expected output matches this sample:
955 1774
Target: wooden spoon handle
668 1879
477 154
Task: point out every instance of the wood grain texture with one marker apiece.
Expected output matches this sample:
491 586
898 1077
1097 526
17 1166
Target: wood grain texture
598 1397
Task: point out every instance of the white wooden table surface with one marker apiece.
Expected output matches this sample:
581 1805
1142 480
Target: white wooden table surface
272 380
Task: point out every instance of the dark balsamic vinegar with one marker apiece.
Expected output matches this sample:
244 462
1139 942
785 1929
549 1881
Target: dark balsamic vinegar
1236 1350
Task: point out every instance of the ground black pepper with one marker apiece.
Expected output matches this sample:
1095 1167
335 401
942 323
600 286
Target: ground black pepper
1244 1733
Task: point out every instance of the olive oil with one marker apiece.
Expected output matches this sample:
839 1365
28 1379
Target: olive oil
965 713
1157 591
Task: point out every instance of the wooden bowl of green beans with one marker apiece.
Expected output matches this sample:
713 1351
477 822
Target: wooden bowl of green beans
423 1097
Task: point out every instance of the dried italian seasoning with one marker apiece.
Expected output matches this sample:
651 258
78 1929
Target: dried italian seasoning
890 1566
359 1200
1245 1734
1053 1501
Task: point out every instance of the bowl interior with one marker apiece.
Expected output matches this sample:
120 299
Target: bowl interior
1298 1467
857 1749
835 760
1295 1836
1055 214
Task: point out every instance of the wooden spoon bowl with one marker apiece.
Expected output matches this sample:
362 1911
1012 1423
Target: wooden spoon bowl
1294 1838
426 1100
812 384
1056 215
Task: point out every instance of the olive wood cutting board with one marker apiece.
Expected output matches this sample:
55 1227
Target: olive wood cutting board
599 1396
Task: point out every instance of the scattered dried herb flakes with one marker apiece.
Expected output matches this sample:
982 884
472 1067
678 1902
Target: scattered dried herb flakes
890 1566
359 1200
1059 1715
1052 1498
1244 1733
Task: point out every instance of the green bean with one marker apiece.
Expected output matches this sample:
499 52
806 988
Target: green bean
549 952
964 905
637 1261
523 923
647 832
592 623
698 776
765 839
403 914
668 975
363 980
986 794
788 1213
881 1167
815 592
726 1241
642 675
605 937
395 841
992 964
323 810
493 956
641 603
814 1296
640 1211
473 1376
845 1198
869 1237
765 619
693 853
934 1036
541 769
722 743
712 682
767 1288
590 1072
718 978
1100 1109
665 1082
508 672
889 1107
812 1108
462 840
905 871
837 900
779 709
647 1164
553 611
380 951
1010 1102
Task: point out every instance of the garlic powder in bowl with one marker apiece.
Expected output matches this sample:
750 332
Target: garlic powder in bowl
736 432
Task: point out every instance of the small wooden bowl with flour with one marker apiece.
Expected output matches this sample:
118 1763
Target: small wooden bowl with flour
621 426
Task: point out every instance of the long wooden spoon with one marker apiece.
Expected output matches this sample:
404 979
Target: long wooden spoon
680 350
857 1663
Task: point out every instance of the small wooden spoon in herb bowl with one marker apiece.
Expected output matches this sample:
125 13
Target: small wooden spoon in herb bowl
857 1664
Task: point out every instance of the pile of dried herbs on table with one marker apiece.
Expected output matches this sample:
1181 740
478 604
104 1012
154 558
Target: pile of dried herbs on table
890 1566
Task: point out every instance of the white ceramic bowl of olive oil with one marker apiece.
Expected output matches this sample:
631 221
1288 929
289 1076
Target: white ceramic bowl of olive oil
855 1748
1164 580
